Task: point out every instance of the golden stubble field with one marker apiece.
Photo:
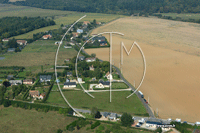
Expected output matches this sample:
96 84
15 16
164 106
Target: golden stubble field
172 51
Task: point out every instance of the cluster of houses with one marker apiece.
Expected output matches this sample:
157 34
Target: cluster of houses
19 82
22 44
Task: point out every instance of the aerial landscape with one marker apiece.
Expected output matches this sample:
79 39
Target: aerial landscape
99 66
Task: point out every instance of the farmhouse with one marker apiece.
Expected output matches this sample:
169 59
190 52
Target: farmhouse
98 23
11 49
79 31
22 42
47 36
108 76
15 82
92 59
69 85
86 22
45 78
28 81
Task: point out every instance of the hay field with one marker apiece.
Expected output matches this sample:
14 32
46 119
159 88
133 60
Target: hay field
172 52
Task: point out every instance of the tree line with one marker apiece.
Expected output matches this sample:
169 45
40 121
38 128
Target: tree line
115 6
12 26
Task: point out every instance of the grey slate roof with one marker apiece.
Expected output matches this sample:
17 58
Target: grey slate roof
70 83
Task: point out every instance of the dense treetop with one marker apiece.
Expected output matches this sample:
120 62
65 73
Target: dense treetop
12 26
116 6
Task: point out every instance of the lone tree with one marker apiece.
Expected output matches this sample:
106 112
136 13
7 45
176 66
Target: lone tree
126 120
98 115
6 83
93 55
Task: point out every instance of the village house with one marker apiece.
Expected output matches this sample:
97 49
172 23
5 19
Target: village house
5 39
75 34
67 60
47 36
11 49
108 76
103 43
81 58
99 38
91 68
103 84
9 77
56 43
15 82
86 22
36 94
91 59
98 23
22 42
69 84
45 78
79 31
80 80
69 73
110 116
28 81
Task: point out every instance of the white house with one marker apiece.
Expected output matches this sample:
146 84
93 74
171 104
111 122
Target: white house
90 59
79 31
15 82
103 84
108 76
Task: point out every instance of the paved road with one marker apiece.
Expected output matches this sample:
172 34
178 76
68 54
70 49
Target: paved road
145 104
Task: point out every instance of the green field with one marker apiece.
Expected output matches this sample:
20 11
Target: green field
183 15
16 120
119 102
8 10
41 52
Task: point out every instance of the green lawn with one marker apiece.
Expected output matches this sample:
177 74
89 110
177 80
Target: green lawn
119 102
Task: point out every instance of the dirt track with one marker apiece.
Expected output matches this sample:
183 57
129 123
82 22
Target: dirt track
172 51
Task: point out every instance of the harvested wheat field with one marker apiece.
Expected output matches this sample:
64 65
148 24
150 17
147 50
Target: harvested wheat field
172 51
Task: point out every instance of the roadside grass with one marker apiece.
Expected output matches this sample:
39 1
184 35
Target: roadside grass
17 120
119 104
